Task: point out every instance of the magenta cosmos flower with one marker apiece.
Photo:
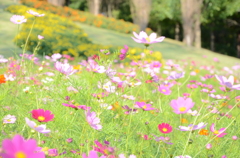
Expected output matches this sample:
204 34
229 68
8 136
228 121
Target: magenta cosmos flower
84 107
182 105
20 148
123 52
18 19
144 38
218 133
144 106
42 116
104 149
165 128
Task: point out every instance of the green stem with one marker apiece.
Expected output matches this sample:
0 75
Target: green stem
24 49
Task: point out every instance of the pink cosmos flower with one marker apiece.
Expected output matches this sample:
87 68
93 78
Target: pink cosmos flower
18 19
40 37
93 120
9 119
144 38
193 127
144 106
163 139
20 148
165 128
228 82
84 107
2 59
164 90
40 128
218 133
35 13
182 105
123 52
92 154
64 68
42 115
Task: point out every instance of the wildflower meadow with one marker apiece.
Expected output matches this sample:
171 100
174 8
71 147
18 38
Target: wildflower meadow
110 106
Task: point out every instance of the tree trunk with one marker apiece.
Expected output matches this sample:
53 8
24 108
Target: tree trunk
177 32
94 6
57 2
191 13
140 10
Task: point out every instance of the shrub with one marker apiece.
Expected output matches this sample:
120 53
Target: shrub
85 17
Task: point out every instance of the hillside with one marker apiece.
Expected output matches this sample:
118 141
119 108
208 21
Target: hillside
170 49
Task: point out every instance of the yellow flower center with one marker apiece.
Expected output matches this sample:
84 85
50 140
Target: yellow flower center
164 90
164 129
182 109
148 39
216 132
18 20
144 107
8 120
41 118
20 155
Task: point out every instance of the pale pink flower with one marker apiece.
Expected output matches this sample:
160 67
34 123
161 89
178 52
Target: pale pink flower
182 105
40 128
40 37
9 119
18 19
35 13
64 68
144 38
93 120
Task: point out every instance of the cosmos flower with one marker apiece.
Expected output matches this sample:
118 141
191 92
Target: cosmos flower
163 139
84 107
20 148
144 106
144 38
18 19
2 79
40 128
218 133
123 156
175 75
92 154
165 128
64 68
42 115
40 37
123 53
192 127
2 59
164 90
228 82
93 120
9 119
104 149
35 13
182 105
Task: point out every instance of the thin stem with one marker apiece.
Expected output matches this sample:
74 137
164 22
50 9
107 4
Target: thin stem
24 49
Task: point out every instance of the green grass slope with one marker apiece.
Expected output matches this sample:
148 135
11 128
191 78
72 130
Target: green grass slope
170 49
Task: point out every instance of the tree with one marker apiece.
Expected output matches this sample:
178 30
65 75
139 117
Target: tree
191 21
94 6
140 10
57 2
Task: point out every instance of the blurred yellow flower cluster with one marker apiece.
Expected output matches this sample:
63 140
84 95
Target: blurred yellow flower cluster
86 17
